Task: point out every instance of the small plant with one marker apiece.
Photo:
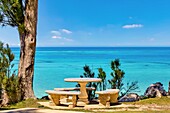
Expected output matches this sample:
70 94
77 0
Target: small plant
130 87
103 83
117 74
9 89
117 81
89 74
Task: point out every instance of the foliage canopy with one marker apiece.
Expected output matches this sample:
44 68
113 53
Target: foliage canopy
12 13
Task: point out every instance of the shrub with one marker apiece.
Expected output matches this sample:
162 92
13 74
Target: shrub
103 83
116 82
9 89
89 74
117 74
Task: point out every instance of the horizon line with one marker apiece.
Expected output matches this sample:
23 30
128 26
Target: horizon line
93 46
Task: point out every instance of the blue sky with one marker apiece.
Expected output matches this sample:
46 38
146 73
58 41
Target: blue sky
99 23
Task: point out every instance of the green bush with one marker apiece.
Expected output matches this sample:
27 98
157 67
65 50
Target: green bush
102 85
89 74
117 75
8 79
116 82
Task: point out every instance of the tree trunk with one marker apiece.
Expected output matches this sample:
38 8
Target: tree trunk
27 50
4 97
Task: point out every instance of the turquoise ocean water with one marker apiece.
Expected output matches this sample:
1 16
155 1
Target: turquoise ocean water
144 64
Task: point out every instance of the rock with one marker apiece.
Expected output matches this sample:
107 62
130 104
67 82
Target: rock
158 94
155 90
131 97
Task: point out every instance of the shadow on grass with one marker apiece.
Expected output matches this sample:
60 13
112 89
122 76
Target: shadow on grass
113 104
4 110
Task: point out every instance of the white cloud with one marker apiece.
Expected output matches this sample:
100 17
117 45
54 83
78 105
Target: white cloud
66 31
68 39
56 32
57 37
59 32
132 26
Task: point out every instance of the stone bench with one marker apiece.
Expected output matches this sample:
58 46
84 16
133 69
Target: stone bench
108 96
66 97
104 98
114 94
72 89
55 97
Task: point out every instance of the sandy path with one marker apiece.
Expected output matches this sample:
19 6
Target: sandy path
35 110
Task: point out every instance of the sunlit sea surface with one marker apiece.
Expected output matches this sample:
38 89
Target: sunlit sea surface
143 64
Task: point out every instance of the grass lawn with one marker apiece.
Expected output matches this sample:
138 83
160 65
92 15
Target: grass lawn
30 103
164 102
166 111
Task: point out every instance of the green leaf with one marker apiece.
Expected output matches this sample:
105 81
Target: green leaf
12 13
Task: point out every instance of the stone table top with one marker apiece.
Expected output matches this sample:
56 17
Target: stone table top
82 79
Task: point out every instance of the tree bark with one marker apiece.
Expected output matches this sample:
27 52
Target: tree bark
4 97
27 50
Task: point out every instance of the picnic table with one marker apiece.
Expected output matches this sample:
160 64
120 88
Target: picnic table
83 97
